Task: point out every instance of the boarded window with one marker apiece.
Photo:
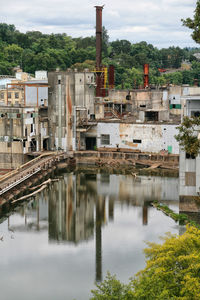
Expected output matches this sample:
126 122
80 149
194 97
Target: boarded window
190 178
175 106
105 139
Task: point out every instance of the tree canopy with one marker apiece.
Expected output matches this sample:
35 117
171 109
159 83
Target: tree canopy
194 23
171 272
188 135
34 50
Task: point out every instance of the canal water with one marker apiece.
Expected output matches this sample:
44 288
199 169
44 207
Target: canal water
59 244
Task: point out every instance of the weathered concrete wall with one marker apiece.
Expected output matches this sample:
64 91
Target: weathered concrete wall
143 137
11 155
187 175
68 91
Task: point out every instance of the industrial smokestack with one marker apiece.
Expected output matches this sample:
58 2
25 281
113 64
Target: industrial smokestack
146 75
100 91
98 35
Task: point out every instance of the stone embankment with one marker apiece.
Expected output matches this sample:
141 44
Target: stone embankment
149 161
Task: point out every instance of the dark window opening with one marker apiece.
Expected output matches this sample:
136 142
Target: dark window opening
151 115
137 141
31 127
142 105
33 145
189 156
59 81
24 144
195 114
45 144
128 97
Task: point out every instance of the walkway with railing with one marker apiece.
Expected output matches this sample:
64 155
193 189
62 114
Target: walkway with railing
26 171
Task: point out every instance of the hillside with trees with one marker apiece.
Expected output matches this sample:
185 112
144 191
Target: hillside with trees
34 50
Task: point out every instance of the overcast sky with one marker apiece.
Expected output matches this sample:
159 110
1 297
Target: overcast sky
155 21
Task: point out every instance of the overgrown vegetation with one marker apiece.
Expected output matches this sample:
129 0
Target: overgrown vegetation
171 272
188 135
34 50
183 219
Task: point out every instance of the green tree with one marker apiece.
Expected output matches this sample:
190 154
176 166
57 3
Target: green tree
171 272
194 23
188 135
13 53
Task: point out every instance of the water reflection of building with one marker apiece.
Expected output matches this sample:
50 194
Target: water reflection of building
33 215
71 209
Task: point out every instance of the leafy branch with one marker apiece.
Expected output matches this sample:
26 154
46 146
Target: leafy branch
188 135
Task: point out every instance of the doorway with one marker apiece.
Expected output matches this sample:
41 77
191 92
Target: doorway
91 143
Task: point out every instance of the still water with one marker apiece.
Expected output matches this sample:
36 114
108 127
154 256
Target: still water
57 245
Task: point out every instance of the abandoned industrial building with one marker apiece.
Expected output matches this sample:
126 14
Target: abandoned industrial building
79 111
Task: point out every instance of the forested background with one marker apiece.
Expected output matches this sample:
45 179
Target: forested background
37 51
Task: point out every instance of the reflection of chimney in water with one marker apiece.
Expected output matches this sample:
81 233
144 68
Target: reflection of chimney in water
111 210
145 215
100 208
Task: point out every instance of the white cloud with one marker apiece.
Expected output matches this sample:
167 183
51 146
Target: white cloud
155 21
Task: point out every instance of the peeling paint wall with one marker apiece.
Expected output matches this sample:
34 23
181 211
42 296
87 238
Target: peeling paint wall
143 137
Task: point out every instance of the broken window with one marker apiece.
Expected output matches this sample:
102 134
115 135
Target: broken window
105 139
135 141
16 95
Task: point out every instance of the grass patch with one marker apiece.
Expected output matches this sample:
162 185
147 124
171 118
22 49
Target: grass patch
183 219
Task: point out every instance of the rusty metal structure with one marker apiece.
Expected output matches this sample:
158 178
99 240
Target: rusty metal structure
111 74
146 76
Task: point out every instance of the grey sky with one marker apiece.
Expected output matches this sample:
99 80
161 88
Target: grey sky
155 21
